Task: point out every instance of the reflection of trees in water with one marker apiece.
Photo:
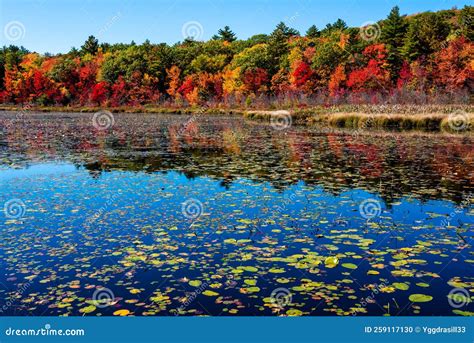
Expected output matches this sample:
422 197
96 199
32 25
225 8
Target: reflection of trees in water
393 165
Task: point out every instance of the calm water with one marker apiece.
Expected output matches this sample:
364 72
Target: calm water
163 215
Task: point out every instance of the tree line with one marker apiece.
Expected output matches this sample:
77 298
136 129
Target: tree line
412 57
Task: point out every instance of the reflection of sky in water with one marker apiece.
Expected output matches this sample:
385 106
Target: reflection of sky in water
135 211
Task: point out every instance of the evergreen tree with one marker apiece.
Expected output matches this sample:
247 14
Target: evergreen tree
393 33
285 30
466 20
91 46
278 45
313 32
338 25
225 34
426 34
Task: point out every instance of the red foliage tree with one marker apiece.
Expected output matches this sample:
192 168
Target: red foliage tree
336 82
455 69
405 75
255 80
374 76
100 93
301 74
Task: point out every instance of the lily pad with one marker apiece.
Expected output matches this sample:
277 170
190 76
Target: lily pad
401 286
195 283
420 298
122 313
349 265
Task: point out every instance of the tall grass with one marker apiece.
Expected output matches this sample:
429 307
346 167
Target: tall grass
453 122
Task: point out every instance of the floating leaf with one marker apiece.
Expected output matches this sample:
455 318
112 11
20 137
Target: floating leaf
294 312
121 313
349 265
88 309
420 298
276 270
401 286
331 262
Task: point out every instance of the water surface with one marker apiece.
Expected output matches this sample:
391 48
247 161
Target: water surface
179 215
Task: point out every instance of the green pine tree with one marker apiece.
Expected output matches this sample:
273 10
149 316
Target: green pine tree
313 32
394 29
91 46
225 34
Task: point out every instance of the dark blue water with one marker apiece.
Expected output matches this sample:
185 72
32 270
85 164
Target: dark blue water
231 218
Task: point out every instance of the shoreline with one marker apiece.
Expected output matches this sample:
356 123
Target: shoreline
435 118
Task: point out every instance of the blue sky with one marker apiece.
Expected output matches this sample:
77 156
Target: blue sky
57 25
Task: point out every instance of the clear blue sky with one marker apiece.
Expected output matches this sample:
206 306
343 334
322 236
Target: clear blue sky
57 25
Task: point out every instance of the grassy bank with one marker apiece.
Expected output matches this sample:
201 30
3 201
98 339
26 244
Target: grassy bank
449 118
455 118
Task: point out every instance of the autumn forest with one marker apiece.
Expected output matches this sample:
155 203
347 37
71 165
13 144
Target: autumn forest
421 58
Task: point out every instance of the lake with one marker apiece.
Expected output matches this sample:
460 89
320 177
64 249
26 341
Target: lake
217 215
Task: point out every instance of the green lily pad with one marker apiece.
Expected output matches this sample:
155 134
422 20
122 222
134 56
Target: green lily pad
420 298
88 309
195 283
401 286
276 270
331 262
294 312
248 269
464 313
349 265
